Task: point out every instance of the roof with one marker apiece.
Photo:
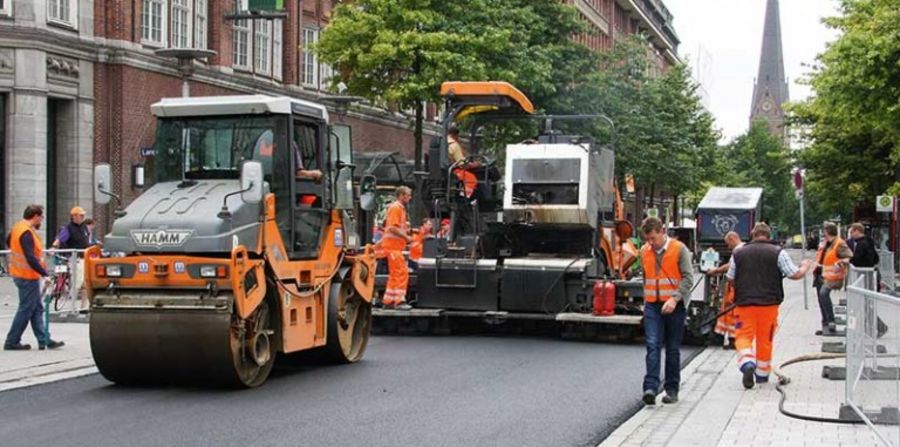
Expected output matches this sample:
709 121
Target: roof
731 198
488 88
237 105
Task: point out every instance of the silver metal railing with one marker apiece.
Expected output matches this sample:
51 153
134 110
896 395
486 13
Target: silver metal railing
60 262
887 270
873 366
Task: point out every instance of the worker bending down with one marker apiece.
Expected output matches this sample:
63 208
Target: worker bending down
757 271
725 323
396 236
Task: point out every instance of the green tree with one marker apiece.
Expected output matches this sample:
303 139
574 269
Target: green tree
759 159
400 51
852 134
664 133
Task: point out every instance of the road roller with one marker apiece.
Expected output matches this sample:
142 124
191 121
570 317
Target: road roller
241 250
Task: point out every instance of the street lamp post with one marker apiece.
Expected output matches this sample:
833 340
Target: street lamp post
798 185
185 57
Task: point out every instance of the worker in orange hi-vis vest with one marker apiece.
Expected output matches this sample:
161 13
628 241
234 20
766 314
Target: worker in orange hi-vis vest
832 259
396 237
457 155
725 323
424 232
757 272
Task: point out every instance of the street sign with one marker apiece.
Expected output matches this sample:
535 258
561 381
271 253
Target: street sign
148 151
798 193
884 204
265 5
798 180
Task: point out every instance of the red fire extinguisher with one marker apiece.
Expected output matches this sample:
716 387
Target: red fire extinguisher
604 298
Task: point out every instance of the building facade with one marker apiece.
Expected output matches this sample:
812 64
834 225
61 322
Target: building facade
77 78
47 54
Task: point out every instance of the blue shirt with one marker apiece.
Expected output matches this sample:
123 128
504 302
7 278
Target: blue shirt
785 264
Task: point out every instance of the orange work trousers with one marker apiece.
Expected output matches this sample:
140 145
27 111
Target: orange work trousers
468 179
755 324
725 323
398 278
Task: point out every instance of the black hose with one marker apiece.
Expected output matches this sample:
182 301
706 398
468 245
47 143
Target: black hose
784 380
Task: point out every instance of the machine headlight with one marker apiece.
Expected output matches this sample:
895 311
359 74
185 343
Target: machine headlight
114 271
207 271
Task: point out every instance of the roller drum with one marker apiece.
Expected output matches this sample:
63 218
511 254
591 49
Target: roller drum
170 339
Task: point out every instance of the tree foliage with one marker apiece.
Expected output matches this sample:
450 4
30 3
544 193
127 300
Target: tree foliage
760 159
402 50
852 133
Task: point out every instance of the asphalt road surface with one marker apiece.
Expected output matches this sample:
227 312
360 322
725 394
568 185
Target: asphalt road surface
407 391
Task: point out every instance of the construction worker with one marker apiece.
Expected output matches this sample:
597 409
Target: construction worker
832 259
424 232
757 271
27 267
444 231
667 283
458 156
75 236
396 236
725 323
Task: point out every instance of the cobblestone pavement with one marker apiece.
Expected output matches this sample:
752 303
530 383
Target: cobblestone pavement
715 410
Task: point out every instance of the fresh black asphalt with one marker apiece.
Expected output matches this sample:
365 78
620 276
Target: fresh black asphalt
407 391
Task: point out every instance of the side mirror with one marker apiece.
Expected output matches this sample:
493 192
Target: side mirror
102 184
251 182
367 192
343 189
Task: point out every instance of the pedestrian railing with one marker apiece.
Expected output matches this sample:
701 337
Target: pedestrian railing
887 270
873 365
63 265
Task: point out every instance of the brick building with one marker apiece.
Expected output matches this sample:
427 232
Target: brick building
77 78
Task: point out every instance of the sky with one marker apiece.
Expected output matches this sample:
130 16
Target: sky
728 36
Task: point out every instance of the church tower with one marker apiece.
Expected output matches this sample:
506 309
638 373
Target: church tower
771 89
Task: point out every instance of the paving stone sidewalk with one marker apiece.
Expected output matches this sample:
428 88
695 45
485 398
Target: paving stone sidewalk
25 368
715 410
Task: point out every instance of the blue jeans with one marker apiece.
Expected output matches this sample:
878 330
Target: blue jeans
662 330
30 310
826 307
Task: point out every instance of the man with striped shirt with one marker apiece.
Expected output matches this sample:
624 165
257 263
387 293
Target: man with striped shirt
757 272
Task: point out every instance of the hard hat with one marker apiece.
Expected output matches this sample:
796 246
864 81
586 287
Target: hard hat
76 211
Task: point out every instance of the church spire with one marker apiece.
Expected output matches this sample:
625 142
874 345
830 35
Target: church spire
771 89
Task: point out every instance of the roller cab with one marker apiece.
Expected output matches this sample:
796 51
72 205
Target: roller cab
245 246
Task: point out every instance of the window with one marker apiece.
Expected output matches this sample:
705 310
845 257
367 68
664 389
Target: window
181 23
5 7
258 45
262 44
153 22
277 48
200 11
310 62
58 11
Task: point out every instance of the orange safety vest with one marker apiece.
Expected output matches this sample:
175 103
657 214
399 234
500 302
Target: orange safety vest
18 265
415 249
661 285
830 270
389 241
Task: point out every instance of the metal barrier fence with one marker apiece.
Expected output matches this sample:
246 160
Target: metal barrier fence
873 366
887 269
62 265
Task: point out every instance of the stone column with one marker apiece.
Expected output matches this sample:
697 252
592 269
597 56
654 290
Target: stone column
27 153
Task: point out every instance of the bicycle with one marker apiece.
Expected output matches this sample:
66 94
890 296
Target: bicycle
57 288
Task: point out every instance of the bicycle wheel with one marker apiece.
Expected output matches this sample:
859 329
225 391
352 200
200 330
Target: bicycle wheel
61 291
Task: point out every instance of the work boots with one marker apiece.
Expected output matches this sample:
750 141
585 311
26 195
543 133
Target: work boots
52 344
749 378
